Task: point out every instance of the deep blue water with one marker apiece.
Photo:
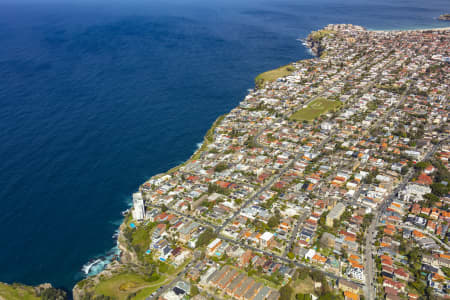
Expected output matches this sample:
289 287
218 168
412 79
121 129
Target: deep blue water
97 96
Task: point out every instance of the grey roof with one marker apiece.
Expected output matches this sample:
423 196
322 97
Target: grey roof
248 282
234 283
253 290
227 278
262 294
217 275
188 228
274 295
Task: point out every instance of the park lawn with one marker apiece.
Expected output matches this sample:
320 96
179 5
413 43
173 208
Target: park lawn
17 292
273 75
315 109
145 292
305 286
123 284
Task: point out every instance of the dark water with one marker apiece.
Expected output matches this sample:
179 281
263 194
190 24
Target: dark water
96 96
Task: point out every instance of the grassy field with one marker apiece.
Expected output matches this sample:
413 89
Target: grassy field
124 284
273 75
145 292
315 109
17 292
305 286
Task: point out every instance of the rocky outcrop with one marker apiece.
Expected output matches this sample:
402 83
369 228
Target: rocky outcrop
314 41
127 254
44 291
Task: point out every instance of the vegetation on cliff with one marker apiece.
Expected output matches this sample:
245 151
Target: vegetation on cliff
318 35
18 291
273 75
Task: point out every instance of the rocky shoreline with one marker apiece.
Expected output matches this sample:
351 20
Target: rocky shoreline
129 260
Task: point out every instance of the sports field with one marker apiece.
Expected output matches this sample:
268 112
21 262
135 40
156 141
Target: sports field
315 109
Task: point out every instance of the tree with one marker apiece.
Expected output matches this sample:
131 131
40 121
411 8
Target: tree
286 292
194 290
53 294
439 189
206 237
273 221
431 198
220 167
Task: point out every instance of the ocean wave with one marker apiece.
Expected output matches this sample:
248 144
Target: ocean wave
306 46
98 264
199 145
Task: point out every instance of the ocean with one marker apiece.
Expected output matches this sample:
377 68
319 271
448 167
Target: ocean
97 96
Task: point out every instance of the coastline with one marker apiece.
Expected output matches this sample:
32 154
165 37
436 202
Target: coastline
127 255
411 30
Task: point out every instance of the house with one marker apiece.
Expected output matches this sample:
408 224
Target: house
327 240
187 230
346 285
318 259
213 246
350 296
429 169
266 239
401 274
245 258
424 179
235 284
334 214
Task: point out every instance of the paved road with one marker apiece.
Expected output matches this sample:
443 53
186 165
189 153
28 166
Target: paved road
167 287
422 231
369 290
300 221
288 261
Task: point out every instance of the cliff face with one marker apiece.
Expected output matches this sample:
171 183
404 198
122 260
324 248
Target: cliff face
127 254
314 41
127 257
17 291
315 46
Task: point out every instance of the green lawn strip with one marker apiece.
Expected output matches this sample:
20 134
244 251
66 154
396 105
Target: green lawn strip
320 34
17 292
145 292
123 284
273 75
168 270
315 109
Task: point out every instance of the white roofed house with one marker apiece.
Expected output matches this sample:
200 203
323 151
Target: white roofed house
138 211
266 239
